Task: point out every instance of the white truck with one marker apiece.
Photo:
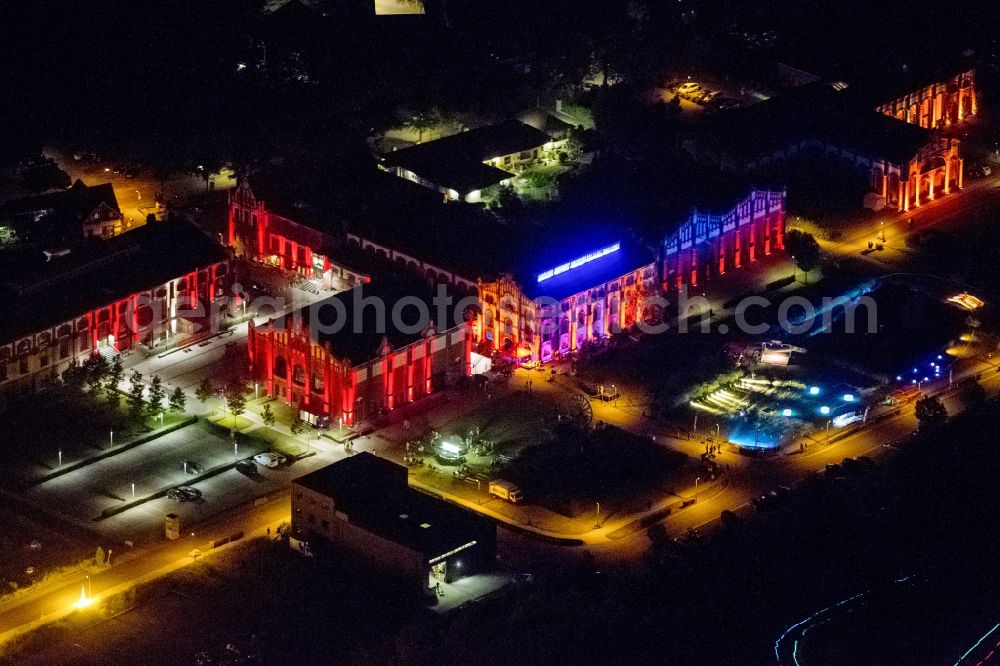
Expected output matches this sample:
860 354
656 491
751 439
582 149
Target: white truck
506 490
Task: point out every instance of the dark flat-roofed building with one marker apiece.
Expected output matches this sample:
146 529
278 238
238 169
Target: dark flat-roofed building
462 165
364 507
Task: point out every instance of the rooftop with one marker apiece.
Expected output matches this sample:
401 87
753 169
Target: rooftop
64 210
456 161
374 494
599 264
355 331
816 111
100 272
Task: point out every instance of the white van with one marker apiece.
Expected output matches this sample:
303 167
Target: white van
506 490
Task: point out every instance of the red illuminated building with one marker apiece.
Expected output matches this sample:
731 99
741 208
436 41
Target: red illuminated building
273 225
153 286
370 364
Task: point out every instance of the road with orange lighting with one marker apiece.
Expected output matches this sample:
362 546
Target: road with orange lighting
48 602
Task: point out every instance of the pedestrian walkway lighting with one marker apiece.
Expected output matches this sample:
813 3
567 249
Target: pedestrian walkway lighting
786 412
848 397
824 410
813 390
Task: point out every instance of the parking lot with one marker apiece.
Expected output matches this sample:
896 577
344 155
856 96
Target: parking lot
83 494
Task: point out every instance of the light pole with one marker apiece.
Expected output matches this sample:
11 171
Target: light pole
340 427
597 518
256 388
236 450
112 438
694 428
697 479
161 419
133 490
60 457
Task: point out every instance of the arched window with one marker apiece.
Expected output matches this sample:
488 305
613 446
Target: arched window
299 375
280 367
317 383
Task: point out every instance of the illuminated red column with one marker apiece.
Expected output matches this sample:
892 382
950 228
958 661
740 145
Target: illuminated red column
232 224
752 241
694 266
767 236
722 255
93 320
261 236
737 249
309 262
389 371
427 364
347 394
135 318
410 367
289 364
269 360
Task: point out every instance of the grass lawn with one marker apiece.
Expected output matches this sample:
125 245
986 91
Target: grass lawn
78 423
607 465
511 422
239 422
277 441
30 539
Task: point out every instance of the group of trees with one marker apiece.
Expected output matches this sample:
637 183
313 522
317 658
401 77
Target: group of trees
102 377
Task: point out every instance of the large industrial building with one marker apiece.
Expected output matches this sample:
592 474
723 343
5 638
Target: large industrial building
152 286
363 352
365 509
895 145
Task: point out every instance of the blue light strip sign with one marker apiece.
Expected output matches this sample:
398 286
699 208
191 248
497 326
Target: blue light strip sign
580 261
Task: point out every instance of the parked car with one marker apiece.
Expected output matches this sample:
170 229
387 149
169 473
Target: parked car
835 471
176 495
729 518
709 97
689 88
270 459
247 467
193 467
191 492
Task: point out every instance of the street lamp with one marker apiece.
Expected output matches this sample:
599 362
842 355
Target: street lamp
60 457
256 388
112 438
133 490
597 519
697 479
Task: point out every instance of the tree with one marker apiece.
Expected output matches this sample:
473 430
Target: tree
178 401
931 413
423 120
804 249
73 376
204 391
115 374
95 370
8 237
267 416
298 427
236 400
157 393
136 405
